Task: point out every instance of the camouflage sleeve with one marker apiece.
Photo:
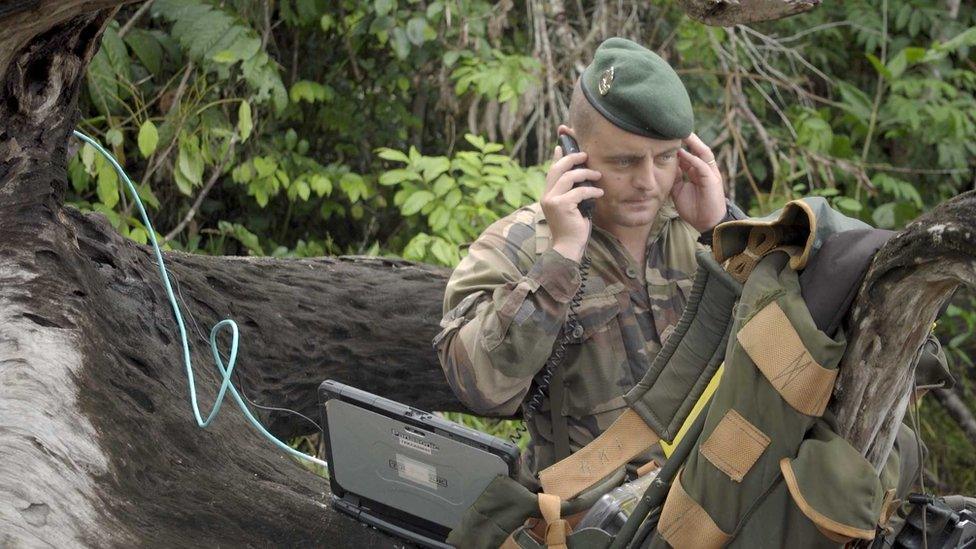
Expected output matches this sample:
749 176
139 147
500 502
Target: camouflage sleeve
504 307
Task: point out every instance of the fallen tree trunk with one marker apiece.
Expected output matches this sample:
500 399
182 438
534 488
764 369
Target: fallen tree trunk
363 321
97 439
94 392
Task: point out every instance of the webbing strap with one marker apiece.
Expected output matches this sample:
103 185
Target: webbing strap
762 240
560 428
649 467
734 446
557 529
888 507
785 361
549 506
627 437
684 523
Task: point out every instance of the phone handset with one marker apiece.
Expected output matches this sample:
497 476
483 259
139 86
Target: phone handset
569 146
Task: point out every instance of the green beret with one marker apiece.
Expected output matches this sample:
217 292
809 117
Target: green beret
637 91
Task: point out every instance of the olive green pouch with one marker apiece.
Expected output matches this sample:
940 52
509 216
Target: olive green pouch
505 505
499 510
834 486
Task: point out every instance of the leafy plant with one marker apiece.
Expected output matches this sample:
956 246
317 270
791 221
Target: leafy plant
219 42
457 198
501 77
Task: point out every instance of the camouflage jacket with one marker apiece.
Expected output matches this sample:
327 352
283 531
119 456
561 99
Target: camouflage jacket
507 300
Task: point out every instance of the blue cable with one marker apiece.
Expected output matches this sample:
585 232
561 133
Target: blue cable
232 360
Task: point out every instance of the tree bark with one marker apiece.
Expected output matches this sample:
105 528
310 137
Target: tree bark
909 280
727 13
97 440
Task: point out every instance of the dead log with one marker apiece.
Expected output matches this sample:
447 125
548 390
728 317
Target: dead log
956 407
727 13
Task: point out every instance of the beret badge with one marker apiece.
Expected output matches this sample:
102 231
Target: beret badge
605 80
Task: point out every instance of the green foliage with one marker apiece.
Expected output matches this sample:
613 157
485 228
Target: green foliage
501 428
951 456
219 41
148 138
917 108
242 235
456 198
959 328
109 74
502 77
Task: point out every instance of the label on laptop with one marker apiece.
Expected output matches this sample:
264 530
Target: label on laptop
410 441
415 471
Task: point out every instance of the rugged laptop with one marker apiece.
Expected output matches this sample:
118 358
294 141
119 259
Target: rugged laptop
402 470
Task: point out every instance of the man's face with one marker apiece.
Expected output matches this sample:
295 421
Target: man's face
638 173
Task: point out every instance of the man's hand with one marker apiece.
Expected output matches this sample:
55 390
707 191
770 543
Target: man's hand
560 202
698 191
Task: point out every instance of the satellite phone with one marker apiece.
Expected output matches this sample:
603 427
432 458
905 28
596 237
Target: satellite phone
569 146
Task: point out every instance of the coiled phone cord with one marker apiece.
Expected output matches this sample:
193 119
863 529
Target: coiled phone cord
226 371
571 328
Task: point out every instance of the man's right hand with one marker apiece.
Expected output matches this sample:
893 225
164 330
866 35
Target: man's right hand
560 203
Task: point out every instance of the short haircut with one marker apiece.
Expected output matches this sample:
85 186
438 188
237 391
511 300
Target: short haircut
582 115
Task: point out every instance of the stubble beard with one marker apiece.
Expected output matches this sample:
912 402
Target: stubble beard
629 217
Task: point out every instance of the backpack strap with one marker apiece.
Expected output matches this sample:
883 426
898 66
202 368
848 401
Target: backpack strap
557 529
627 437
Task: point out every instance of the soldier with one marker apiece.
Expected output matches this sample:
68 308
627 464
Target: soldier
507 301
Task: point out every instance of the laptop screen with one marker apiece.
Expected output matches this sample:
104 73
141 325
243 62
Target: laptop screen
407 466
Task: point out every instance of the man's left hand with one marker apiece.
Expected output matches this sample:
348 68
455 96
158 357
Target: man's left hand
698 191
